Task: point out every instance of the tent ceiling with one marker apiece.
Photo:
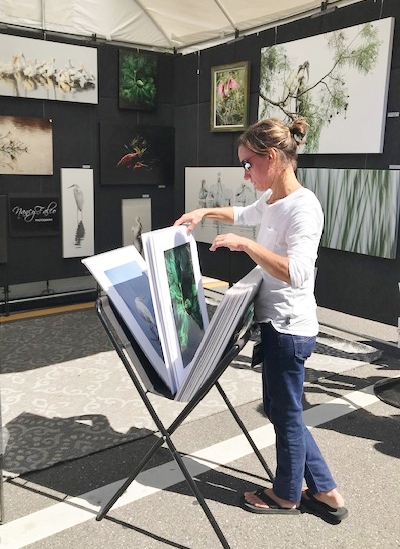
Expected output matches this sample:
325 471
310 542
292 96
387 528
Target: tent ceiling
167 25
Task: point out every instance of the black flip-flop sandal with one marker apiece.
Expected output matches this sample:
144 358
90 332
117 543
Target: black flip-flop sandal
323 509
272 509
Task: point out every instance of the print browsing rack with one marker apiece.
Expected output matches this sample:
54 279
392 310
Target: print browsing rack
146 380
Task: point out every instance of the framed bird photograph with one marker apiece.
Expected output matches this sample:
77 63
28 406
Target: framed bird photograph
230 97
33 215
77 200
136 219
136 155
122 274
335 80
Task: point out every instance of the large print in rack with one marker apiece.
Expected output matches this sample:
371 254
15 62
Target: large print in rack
77 199
212 187
40 69
122 274
337 80
26 146
178 296
136 155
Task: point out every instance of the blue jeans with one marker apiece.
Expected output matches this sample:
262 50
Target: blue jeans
297 453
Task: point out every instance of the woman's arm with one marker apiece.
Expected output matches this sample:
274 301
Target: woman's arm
274 264
194 217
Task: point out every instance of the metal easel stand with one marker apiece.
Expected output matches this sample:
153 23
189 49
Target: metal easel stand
137 366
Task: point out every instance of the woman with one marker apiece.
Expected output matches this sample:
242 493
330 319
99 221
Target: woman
291 222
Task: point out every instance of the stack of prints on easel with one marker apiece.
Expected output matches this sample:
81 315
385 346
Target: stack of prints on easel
161 300
225 323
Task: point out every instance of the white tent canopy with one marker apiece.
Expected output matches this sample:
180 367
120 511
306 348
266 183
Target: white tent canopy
166 25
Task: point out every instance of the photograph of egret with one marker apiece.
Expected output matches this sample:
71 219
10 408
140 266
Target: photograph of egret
361 208
132 285
185 300
137 80
229 96
335 80
26 146
122 273
41 69
77 200
136 219
139 155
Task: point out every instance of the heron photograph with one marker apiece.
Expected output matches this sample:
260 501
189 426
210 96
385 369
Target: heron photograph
333 80
77 211
132 285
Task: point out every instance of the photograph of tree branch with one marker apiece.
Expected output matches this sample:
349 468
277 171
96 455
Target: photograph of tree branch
336 80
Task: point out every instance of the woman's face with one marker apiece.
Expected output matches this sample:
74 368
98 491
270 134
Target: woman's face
257 168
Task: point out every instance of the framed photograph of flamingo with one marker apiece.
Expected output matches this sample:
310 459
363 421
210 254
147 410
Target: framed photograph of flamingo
77 200
136 155
230 97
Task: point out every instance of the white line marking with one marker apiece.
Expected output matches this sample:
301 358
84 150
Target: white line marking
56 518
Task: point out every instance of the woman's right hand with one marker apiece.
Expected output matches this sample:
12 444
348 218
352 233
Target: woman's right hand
191 219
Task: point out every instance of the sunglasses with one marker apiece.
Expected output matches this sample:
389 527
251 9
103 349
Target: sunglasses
246 163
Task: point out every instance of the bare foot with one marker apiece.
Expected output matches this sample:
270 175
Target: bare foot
332 498
255 500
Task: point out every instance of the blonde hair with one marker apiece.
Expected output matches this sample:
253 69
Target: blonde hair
272 133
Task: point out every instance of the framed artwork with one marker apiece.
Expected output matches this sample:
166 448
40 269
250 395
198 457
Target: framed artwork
361 208
137 80
41 69
230 97
26 146
34 215
122 274
136 220
211 187
77 199
335 80
178 296
3 228
136 155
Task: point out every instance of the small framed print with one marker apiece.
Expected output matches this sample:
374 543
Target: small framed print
230 97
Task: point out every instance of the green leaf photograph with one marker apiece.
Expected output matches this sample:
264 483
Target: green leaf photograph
137 81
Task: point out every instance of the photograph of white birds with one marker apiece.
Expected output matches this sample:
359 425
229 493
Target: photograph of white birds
42 69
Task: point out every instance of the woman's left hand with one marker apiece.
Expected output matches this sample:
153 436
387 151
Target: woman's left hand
233 242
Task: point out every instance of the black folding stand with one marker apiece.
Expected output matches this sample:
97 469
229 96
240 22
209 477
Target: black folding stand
147 380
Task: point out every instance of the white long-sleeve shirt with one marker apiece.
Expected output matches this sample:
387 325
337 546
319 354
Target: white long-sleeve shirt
290 227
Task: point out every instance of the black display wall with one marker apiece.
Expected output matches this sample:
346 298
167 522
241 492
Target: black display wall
352 283
76 143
